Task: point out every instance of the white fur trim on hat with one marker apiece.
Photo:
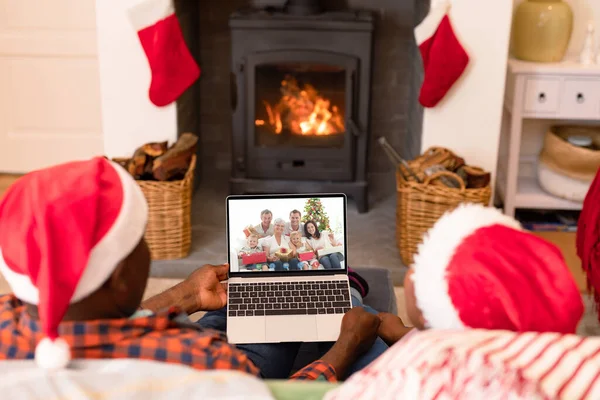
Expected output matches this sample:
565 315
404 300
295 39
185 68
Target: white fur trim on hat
120 240
435 254
427 27
52 354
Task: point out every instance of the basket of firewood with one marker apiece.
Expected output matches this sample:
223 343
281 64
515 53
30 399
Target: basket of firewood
166 176
429 186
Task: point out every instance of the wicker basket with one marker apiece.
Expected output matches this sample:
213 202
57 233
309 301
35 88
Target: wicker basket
169 230
420 205
569 160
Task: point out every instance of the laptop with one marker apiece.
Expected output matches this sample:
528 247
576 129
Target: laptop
276 294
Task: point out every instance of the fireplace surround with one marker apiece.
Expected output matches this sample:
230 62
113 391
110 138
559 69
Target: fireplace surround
301 88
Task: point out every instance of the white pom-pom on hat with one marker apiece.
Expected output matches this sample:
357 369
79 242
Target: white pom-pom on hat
52 354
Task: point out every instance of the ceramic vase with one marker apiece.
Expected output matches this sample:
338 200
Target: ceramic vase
542 30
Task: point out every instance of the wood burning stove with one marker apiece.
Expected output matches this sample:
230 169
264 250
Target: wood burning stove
301 101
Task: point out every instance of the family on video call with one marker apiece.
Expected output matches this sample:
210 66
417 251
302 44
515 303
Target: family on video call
301 242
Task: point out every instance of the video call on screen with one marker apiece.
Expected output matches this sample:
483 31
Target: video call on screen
291 234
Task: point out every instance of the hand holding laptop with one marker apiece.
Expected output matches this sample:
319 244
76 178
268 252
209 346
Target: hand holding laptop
205 285
202 290
357 335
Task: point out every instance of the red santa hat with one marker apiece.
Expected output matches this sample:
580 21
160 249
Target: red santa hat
477 268
63 231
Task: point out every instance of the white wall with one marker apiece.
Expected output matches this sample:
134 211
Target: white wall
468 119
584 11
129 119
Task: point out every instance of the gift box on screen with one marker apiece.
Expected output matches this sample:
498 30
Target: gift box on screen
306 256
330 250
283 254
254 258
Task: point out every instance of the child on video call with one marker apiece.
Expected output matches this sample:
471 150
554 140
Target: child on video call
252 247
300 246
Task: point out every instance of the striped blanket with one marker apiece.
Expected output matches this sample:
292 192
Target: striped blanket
480 364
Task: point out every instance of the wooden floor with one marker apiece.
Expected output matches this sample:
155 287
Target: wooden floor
5 181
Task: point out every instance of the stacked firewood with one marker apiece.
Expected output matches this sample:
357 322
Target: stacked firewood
440 159
433 163
158 162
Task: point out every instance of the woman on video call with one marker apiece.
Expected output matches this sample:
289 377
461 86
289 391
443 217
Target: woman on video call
323 240
276 242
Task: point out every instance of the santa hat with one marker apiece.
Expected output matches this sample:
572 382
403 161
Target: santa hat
477 268
63 231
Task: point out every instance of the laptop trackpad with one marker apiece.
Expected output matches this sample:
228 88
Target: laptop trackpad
296 328
246 330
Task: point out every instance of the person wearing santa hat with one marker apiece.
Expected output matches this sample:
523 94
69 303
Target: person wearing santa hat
494 308
477 268
72 250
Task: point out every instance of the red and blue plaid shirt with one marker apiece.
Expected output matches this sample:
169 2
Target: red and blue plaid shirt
159 337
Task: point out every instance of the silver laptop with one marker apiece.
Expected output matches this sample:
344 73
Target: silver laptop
288 277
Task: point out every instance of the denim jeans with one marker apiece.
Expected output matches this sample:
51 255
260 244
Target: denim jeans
331 261
276 360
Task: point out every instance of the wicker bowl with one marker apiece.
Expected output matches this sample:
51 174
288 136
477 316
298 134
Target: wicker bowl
560 185
568 160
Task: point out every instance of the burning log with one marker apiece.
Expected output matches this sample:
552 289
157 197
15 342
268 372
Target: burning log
176 160
303 111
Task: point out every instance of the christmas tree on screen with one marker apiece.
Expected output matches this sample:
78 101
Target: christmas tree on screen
313 211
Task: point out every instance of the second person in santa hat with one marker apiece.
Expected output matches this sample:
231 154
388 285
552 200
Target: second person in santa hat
477 268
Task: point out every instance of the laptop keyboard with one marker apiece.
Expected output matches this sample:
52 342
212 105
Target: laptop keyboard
285 298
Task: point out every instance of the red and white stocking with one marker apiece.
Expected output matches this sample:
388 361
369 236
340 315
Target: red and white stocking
173 67
444 58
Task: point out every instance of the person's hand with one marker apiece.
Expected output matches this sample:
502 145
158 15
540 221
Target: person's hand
204 284
359 329
391 328
357 334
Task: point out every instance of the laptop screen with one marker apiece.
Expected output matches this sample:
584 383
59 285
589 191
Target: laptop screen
286 234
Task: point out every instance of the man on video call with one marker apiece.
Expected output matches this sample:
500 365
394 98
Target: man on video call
77 263
294 225
265 228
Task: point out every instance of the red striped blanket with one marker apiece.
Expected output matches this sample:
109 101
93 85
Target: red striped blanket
480 364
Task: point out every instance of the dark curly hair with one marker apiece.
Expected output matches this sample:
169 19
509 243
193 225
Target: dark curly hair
317 233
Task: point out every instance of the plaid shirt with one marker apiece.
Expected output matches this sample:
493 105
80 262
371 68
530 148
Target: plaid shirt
160 337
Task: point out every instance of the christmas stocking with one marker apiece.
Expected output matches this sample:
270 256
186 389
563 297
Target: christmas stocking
173 67
444 58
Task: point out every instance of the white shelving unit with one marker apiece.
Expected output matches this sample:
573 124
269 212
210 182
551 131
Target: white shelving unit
557 91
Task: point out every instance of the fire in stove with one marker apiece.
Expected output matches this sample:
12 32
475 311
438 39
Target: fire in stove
302 111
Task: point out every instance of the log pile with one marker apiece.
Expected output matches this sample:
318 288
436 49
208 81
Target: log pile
158 162
443 166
